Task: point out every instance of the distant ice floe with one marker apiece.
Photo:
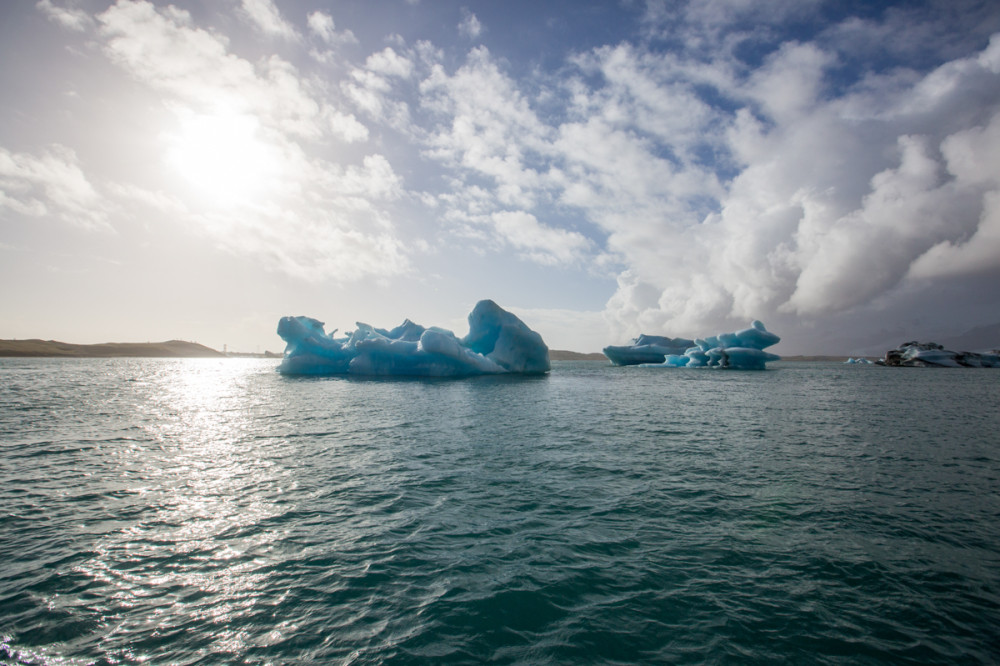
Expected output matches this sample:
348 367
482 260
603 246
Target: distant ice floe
930 354
858 361
498 342
743 350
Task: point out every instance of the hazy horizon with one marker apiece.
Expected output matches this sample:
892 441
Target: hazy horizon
195 171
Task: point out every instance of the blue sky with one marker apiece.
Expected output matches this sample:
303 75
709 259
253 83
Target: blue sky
196 170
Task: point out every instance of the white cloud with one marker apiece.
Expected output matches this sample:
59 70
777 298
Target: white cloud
854 258
154 199
371 87
652 93
67 17
164 51
989 59
52 183
831 201
487 128
835 205
973 157
469 26
636 185
389 63
719 173
788 84
321 24
245 144
264 15
835 198
321 221
544 244
375 179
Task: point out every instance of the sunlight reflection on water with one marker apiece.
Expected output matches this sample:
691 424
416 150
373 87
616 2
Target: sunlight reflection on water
201 490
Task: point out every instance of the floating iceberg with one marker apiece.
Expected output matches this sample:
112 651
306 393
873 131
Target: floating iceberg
930 354
861 360
647 349
498 342
742 350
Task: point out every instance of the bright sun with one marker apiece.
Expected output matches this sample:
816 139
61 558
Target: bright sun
223 156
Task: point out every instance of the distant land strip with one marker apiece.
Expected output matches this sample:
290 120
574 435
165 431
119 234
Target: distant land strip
563 355
182 349
171 349
54 348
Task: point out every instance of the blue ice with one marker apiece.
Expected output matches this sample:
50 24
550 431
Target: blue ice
742 350
498 342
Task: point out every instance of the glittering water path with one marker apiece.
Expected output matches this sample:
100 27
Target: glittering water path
207 511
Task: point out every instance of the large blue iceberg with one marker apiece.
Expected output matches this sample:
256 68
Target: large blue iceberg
498 342
743 350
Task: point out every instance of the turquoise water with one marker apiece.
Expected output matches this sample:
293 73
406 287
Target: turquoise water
213 511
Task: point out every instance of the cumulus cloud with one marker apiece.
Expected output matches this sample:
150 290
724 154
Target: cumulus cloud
264 16
839 198
388 62
973 157
725 189
371 87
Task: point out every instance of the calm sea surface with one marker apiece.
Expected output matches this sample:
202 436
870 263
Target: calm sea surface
214 511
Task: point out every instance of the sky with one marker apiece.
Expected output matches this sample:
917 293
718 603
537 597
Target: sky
196 170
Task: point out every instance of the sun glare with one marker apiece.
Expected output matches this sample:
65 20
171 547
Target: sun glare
223 156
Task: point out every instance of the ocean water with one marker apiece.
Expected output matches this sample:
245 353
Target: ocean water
214 511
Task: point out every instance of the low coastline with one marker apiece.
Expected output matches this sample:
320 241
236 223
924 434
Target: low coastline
55 349
36 348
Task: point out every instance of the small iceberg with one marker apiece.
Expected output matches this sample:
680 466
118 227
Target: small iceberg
858 361
932 355
743 350
498 343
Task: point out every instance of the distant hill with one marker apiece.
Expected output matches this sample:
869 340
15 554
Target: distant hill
563 355
54 348
978 339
